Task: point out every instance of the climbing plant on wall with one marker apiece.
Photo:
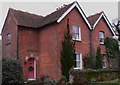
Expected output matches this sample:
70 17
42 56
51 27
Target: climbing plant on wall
98 58
112 47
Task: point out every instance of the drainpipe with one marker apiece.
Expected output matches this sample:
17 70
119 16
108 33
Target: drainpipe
17 43
91 55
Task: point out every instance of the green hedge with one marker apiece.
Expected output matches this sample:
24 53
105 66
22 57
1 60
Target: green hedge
85 76
11 71
104 83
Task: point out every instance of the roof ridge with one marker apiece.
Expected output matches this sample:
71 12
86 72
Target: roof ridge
61 8
25 12
96 14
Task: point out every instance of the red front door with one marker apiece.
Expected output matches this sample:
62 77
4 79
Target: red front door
31 68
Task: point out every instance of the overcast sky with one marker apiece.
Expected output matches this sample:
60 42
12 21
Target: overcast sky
43 8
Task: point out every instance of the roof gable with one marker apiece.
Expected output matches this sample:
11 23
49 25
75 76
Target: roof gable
75 4
94 19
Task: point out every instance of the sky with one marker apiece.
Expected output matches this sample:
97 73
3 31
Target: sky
110 7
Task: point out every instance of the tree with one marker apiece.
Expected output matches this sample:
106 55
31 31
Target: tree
67 52
117 27
111 47
98 58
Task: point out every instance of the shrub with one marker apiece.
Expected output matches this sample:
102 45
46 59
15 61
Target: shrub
11 71
45 80
86 61
67 53
90 75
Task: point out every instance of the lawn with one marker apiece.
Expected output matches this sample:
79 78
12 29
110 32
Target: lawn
112 82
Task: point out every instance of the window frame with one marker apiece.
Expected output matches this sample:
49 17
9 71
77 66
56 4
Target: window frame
101 38
80 57
79 39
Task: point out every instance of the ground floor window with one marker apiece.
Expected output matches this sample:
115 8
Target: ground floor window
104 61
78 60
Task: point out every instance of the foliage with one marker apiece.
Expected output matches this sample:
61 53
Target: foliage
117 26
98 58
86 61
11 71
45 80
63 78
90 75
67 52
112 47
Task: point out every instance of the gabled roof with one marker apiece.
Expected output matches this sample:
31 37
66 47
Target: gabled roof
35 21
75 5
26 19
94 19
54 16
32 20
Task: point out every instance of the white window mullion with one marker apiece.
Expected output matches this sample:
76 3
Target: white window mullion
79 34
80 61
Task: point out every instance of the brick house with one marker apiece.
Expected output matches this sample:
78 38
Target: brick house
36 40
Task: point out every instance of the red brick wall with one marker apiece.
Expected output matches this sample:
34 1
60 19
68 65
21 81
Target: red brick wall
49 60
9 50
75 19
50 38
101 26
28 44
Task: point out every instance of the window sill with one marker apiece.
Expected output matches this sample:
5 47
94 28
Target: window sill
101 43
104 67
77 40
7 43
77 68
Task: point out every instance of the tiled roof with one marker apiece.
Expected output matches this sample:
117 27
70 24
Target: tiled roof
55 15
93 18
26 19
33 20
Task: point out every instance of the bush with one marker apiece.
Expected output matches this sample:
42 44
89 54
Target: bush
45 80
11 71
86 61
90 75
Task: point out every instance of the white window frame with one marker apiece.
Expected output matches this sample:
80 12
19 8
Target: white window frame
101 37
79 33
79 60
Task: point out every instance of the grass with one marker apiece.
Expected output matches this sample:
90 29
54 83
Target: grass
112 82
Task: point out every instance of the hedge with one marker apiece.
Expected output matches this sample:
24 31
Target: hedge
86 76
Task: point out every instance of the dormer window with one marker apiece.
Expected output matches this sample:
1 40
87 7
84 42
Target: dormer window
8 38
102 36
76 33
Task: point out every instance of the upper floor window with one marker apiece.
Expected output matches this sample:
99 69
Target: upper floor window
8 38
102 36
76 33
78 60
